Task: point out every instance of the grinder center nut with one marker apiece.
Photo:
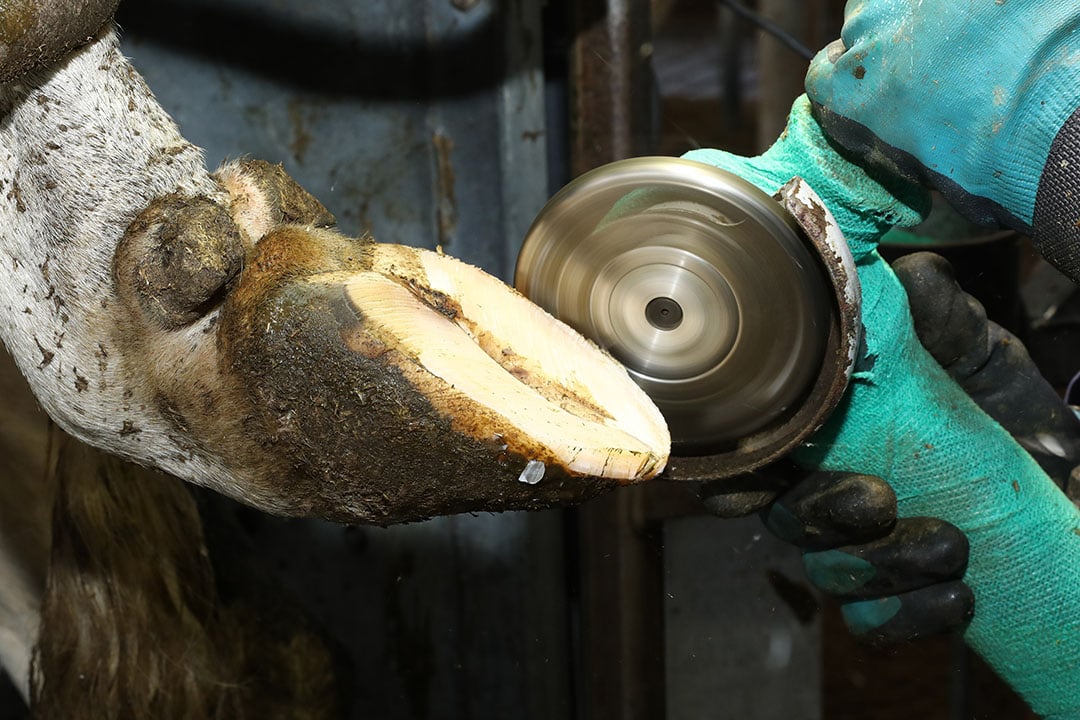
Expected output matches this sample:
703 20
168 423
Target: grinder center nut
663 313
708 311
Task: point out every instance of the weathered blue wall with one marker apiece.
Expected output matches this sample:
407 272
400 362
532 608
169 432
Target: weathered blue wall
420 123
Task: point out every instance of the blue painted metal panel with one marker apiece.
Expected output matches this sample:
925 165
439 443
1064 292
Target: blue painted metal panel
420 123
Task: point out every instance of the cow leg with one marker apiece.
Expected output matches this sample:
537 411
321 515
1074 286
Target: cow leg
211 326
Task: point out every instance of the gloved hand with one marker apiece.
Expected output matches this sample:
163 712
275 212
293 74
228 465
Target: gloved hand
904 420
978 100
899 580
990 364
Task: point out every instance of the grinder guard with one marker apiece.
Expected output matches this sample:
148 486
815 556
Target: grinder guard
843 338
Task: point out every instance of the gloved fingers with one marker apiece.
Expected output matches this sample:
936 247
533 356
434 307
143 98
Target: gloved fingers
901 618
919 552
863 21
738 498
849 69
990 364
745 494
846 54
1072 486
829 509
951 324
832 52
1011 390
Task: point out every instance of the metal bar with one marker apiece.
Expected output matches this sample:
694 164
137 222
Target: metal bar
781 73
622 610
611 98
522 125
620 556
772 28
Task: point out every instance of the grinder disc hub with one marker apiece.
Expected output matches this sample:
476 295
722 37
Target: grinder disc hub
663 313
631 295
696 281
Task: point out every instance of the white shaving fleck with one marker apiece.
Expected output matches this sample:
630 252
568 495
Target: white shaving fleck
1051 444
533 472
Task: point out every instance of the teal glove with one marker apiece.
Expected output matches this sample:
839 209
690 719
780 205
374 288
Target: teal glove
976 99
903 419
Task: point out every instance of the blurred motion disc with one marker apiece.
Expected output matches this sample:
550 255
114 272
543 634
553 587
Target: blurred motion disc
699 283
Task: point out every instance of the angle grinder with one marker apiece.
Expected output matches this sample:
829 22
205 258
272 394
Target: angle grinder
735 311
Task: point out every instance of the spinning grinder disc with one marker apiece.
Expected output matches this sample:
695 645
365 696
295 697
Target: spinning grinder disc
700 284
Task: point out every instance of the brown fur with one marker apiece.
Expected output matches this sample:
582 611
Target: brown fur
287 203
35 33
133 625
